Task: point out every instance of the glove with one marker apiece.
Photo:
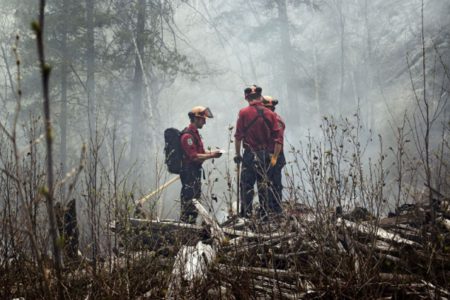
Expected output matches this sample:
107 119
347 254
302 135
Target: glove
237 159
273 160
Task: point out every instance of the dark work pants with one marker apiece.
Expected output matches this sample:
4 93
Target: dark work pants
191 188
275 193
255 169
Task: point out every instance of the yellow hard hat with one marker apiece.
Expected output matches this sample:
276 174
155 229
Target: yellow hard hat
201 112
268 101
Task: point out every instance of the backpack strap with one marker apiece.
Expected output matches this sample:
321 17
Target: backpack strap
260 115
190 132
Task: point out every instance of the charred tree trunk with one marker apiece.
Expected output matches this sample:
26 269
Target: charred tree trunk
71 232
138 83
66 219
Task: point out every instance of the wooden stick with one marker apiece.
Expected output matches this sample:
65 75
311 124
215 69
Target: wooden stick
238 188
158 190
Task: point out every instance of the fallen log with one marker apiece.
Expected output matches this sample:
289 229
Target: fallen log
279 283
216 231
164 224
271 273
379 232
414 217
172 224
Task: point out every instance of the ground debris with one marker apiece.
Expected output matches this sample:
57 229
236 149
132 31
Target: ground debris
302 254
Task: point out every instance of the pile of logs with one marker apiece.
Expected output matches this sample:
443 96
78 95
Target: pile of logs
306 254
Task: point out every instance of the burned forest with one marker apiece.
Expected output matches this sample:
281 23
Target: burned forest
240 149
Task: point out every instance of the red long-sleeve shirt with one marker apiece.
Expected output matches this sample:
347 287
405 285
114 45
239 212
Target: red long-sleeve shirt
192 145
263 133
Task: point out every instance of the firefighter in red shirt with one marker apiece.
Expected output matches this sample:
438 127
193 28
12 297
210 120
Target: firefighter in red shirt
194 156
275 193
257 130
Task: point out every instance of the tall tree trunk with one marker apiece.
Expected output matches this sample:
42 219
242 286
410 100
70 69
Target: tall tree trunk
342 47
369 66
138 83
317 82
288 61
92 164
316 73
90 67
63 115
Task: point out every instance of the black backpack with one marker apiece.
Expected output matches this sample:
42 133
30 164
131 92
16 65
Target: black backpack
172 149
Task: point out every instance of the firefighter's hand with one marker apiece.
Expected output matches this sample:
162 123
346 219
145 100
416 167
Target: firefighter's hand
237 159
216 154
273 160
